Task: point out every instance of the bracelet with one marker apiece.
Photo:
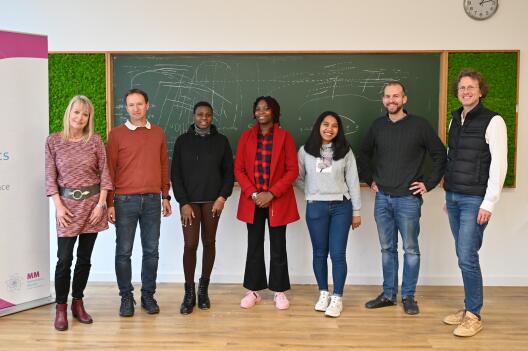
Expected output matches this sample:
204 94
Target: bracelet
101 206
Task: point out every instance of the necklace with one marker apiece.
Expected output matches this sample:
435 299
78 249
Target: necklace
76 138
326 157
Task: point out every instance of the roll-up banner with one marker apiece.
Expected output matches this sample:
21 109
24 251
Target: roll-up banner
24 212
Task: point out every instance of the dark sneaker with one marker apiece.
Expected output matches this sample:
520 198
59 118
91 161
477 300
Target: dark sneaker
127 306
410 305
380 301
150 304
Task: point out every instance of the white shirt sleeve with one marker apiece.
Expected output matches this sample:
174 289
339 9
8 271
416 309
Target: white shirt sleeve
496 137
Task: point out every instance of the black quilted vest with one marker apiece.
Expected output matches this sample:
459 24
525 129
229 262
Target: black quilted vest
468 156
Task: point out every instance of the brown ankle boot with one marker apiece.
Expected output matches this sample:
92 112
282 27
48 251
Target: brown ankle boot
61 317
79 313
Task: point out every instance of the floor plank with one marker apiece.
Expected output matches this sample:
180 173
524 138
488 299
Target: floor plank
228 327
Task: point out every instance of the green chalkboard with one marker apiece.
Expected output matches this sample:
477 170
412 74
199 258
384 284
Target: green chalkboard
304 84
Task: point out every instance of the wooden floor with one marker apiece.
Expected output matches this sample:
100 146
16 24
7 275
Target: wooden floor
228 327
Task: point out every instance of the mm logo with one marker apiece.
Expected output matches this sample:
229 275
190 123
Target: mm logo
33 275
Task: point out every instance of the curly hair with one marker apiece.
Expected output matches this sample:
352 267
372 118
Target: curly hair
471 73
272 103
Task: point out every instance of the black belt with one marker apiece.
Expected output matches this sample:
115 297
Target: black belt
79 193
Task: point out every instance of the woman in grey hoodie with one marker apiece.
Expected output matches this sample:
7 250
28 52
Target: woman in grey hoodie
329 177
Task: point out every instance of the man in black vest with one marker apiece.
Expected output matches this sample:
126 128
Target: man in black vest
476 169
390 161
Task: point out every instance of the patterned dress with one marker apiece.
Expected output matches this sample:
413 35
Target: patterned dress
75 164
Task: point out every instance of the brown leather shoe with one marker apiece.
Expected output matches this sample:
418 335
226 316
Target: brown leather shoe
79 313
455 318
61 316
471 325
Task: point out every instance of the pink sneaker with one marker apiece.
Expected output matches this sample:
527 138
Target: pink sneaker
281 301
251 298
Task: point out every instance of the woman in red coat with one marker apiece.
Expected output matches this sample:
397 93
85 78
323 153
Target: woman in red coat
266 167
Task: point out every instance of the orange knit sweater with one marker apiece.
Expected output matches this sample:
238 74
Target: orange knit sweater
138 161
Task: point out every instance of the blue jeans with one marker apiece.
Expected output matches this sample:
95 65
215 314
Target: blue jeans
329 223
145 208
463 211
393 214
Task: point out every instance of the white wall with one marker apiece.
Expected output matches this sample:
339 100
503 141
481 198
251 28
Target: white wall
242 25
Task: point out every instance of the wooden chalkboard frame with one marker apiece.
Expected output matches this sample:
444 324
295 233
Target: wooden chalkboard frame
443 81
442 70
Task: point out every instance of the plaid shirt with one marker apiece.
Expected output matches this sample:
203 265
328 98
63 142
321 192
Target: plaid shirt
263 160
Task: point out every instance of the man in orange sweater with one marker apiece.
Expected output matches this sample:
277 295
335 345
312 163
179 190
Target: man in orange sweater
138 164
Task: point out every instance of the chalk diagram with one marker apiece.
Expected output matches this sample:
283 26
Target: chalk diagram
231 88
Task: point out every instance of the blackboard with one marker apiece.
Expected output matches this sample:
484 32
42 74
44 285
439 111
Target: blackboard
304 84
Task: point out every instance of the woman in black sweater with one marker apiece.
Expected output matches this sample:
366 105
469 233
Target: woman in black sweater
202 180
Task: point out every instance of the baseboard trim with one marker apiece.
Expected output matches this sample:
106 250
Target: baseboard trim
310 279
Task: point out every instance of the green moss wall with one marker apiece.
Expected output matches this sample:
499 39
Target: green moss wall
77 74
500 71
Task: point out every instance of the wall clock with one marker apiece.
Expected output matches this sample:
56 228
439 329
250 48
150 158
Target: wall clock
480 9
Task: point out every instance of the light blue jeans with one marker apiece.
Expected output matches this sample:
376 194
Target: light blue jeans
393 214
468 234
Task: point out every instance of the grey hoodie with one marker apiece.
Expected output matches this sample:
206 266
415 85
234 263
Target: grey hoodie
322 182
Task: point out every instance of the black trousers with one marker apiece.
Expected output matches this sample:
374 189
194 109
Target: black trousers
82 266
255 274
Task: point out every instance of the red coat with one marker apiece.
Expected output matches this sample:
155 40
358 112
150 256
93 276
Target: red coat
284 171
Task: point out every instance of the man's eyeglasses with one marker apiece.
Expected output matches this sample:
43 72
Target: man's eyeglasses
468 88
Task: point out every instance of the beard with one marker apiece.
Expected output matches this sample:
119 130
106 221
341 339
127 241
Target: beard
394 108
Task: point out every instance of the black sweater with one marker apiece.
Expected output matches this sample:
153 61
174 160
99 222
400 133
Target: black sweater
393 154
202 167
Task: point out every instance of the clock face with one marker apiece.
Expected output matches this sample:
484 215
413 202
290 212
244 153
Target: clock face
481 9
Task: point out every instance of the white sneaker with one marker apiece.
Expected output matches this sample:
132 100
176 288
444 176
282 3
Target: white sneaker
335 307
322 303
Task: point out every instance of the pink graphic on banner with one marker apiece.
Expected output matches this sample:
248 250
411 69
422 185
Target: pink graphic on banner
5 304
23 45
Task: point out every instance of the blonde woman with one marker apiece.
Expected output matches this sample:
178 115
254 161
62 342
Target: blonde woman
77 180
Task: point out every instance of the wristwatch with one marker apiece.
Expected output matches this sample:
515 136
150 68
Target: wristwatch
254 196
168 197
